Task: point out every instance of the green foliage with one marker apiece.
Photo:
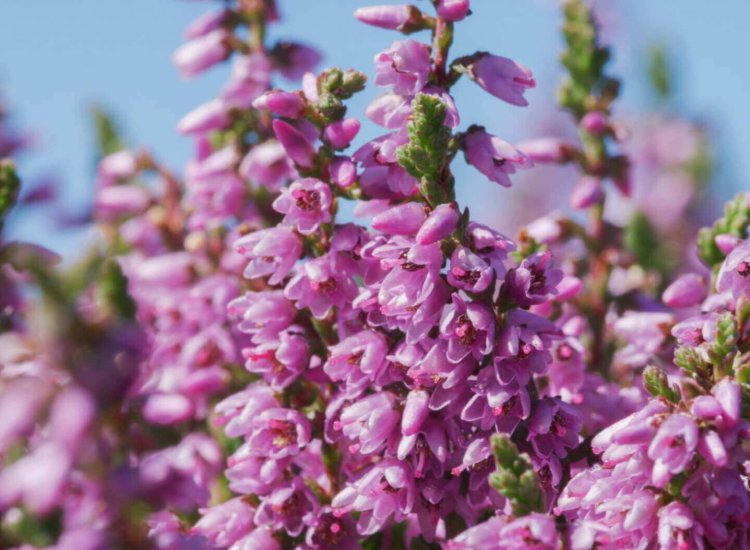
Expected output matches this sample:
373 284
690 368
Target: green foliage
726 340
9 186
689 360
515 477
656 383
114 287
585 60
641 240
108 139
426 154
658 71
734 222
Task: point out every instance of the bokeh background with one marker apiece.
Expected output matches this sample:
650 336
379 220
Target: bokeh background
57 58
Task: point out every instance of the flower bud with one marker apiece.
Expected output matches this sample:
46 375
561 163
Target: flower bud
546 150
287 104
200 54
453 10
439 224
595 122
205 118
343 172
726 243
404 219
167 408
688 290
587 192
206 23
415 412
120 200
396 18
296 145
341 133
503 78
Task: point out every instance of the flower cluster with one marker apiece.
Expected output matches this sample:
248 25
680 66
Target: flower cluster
239 364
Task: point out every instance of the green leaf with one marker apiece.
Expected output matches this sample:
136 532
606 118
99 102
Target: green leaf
658 71
114 287
9 186
734 222
108 139
515 477
426 154
656 383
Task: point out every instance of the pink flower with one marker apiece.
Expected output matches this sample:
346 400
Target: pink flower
305 204
503 78
202 53
493 157
405 66
271 252
673 447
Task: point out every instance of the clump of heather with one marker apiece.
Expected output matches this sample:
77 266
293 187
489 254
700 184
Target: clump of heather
237 364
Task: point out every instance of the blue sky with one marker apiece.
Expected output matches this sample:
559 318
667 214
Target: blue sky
57 57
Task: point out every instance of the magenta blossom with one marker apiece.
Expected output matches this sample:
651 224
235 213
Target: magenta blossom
502 77
271 252
493 157
734 275
534 281
405 66
306 204
469 328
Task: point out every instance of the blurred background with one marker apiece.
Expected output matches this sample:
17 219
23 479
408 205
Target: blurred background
57 59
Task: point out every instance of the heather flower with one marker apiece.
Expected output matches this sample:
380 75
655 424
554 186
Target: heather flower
439 224
341 132
278 433
291 507
321 285
202 53
469 328
286 104
395 18
546 150
553 427
248 474
279 362
678 528
595 122
535 531
226 523
262 314
644 332
587 192
330 531
236 412
293 60
534 281
453 10
673 447
212 115
210 21
266 164
306 204
386 490
296 144
734 272
493 157
694 331
403 219
469 272
502 77
405 66
415 411
343 172
271 252
688 290
358 360
369 421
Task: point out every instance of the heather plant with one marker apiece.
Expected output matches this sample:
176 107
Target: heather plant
237 364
